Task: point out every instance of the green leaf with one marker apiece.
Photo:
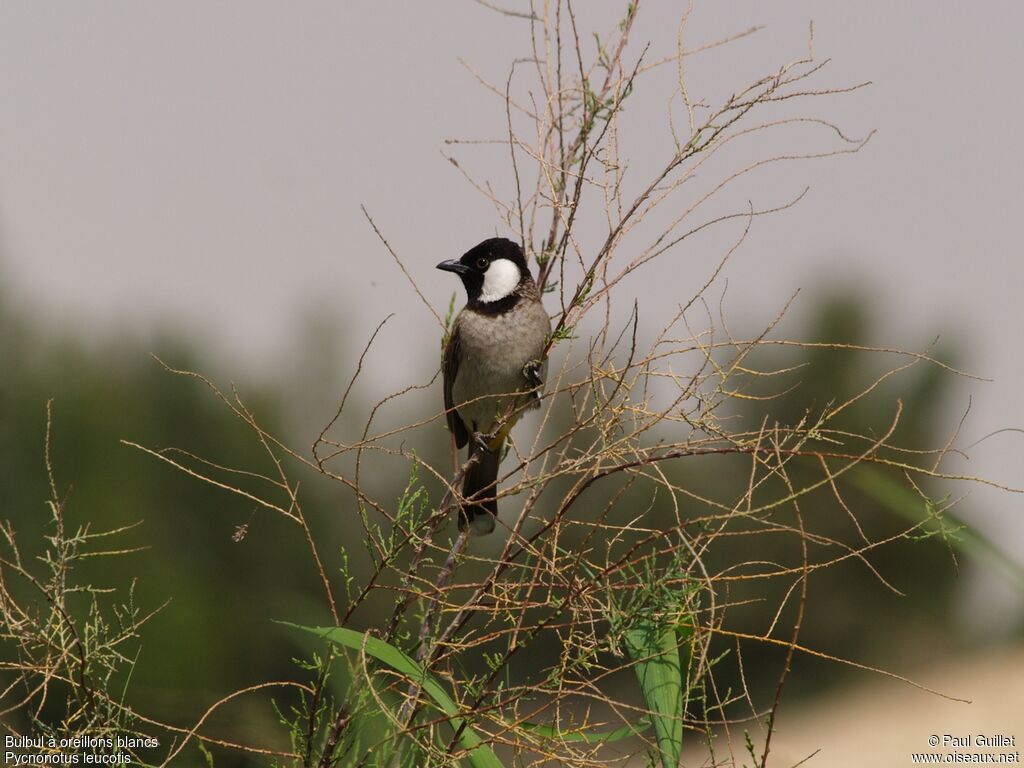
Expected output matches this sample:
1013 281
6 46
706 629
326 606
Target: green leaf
653 647
480 755
900 499
584 736
206 753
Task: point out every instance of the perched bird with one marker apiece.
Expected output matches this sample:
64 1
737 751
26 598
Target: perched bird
493 367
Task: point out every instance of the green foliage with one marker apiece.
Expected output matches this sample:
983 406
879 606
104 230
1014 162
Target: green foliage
207 755
654 648
561 333
307 721
69 648
585 736
478 754
938 522
411 514
653 624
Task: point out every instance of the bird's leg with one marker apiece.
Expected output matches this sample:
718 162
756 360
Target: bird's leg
481 441
532 373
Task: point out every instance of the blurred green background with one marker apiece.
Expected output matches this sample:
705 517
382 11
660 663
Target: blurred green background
216 634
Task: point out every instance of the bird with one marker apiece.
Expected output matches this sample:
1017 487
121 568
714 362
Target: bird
493 365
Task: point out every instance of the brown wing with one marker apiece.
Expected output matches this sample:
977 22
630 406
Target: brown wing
450 367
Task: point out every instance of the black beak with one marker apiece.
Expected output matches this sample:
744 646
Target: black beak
454 265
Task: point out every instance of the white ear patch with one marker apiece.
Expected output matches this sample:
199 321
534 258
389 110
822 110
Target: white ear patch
500 279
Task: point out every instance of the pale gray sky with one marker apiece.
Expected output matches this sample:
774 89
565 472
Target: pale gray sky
203 163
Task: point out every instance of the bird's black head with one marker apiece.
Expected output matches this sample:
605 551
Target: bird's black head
492 271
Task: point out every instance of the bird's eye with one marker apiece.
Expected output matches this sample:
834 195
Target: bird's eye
481 263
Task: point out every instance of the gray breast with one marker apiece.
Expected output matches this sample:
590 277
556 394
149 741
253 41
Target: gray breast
493 351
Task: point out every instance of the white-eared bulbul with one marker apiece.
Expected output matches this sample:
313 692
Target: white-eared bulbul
493 367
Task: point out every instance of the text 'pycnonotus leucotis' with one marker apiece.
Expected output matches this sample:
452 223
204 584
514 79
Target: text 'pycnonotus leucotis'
493 369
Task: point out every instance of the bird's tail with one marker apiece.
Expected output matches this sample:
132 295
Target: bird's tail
478 516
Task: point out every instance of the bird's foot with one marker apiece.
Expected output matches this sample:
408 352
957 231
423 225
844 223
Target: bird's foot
532 372
483 441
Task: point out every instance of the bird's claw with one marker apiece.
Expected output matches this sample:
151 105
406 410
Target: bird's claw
532 373
483 441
